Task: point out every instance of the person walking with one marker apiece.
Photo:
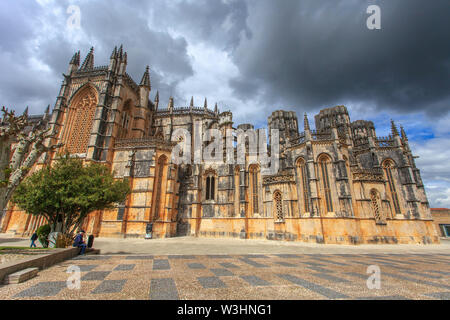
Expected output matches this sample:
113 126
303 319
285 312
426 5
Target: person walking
34 237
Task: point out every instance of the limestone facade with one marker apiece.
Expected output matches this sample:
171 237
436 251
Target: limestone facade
339 183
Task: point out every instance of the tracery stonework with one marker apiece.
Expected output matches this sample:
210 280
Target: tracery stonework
80 119
336 183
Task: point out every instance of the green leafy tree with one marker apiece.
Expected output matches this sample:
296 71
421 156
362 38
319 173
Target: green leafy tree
68 191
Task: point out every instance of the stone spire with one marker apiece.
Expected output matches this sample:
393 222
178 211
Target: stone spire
216 109
206 104
25 112
76 59
191 105
114 53
306 123
157 100
145 82
394 130
120 53
89 61
46 114
404 136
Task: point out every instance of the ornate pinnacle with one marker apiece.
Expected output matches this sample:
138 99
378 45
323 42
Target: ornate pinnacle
394 130
75 59
114 53
89 61
170 107
121 51
306 122
206 104
191 105
146 78
25 112
216 109
404 136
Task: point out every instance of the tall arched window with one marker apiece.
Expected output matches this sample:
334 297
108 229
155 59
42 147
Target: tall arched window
278 204
375 204
254 187
324 164
210 186
80 118
126 120
158 187
388 167
303 180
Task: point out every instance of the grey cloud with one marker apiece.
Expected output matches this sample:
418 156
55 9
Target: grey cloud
313 54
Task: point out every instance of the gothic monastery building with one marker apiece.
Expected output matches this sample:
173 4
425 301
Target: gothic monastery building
339 183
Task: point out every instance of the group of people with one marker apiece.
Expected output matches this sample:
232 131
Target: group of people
78 241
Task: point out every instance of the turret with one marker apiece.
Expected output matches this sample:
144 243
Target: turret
113 60
145 88
156 101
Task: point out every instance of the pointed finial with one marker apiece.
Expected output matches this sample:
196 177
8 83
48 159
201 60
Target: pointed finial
157 96
306 122
216 109
75 59
145 82
47 113
191 105
404 136
125 57
114 53
121 51
25 112
89 61
206 104
394 130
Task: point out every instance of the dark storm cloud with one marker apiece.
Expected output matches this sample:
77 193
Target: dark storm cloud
311 54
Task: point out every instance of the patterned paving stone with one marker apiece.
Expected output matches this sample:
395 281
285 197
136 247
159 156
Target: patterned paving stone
110 286
255 281
439 295
329 277
211 282
124 267
286 264
220 256
87 267
196 266
43 289
287 256
440 272
161 264
95 275
332 262
181 257
92 257
256 256
329 293
319 269
358 275
423 274
163 289
419 281
229 265
314 264
253 263
139 258
383 298
222 272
